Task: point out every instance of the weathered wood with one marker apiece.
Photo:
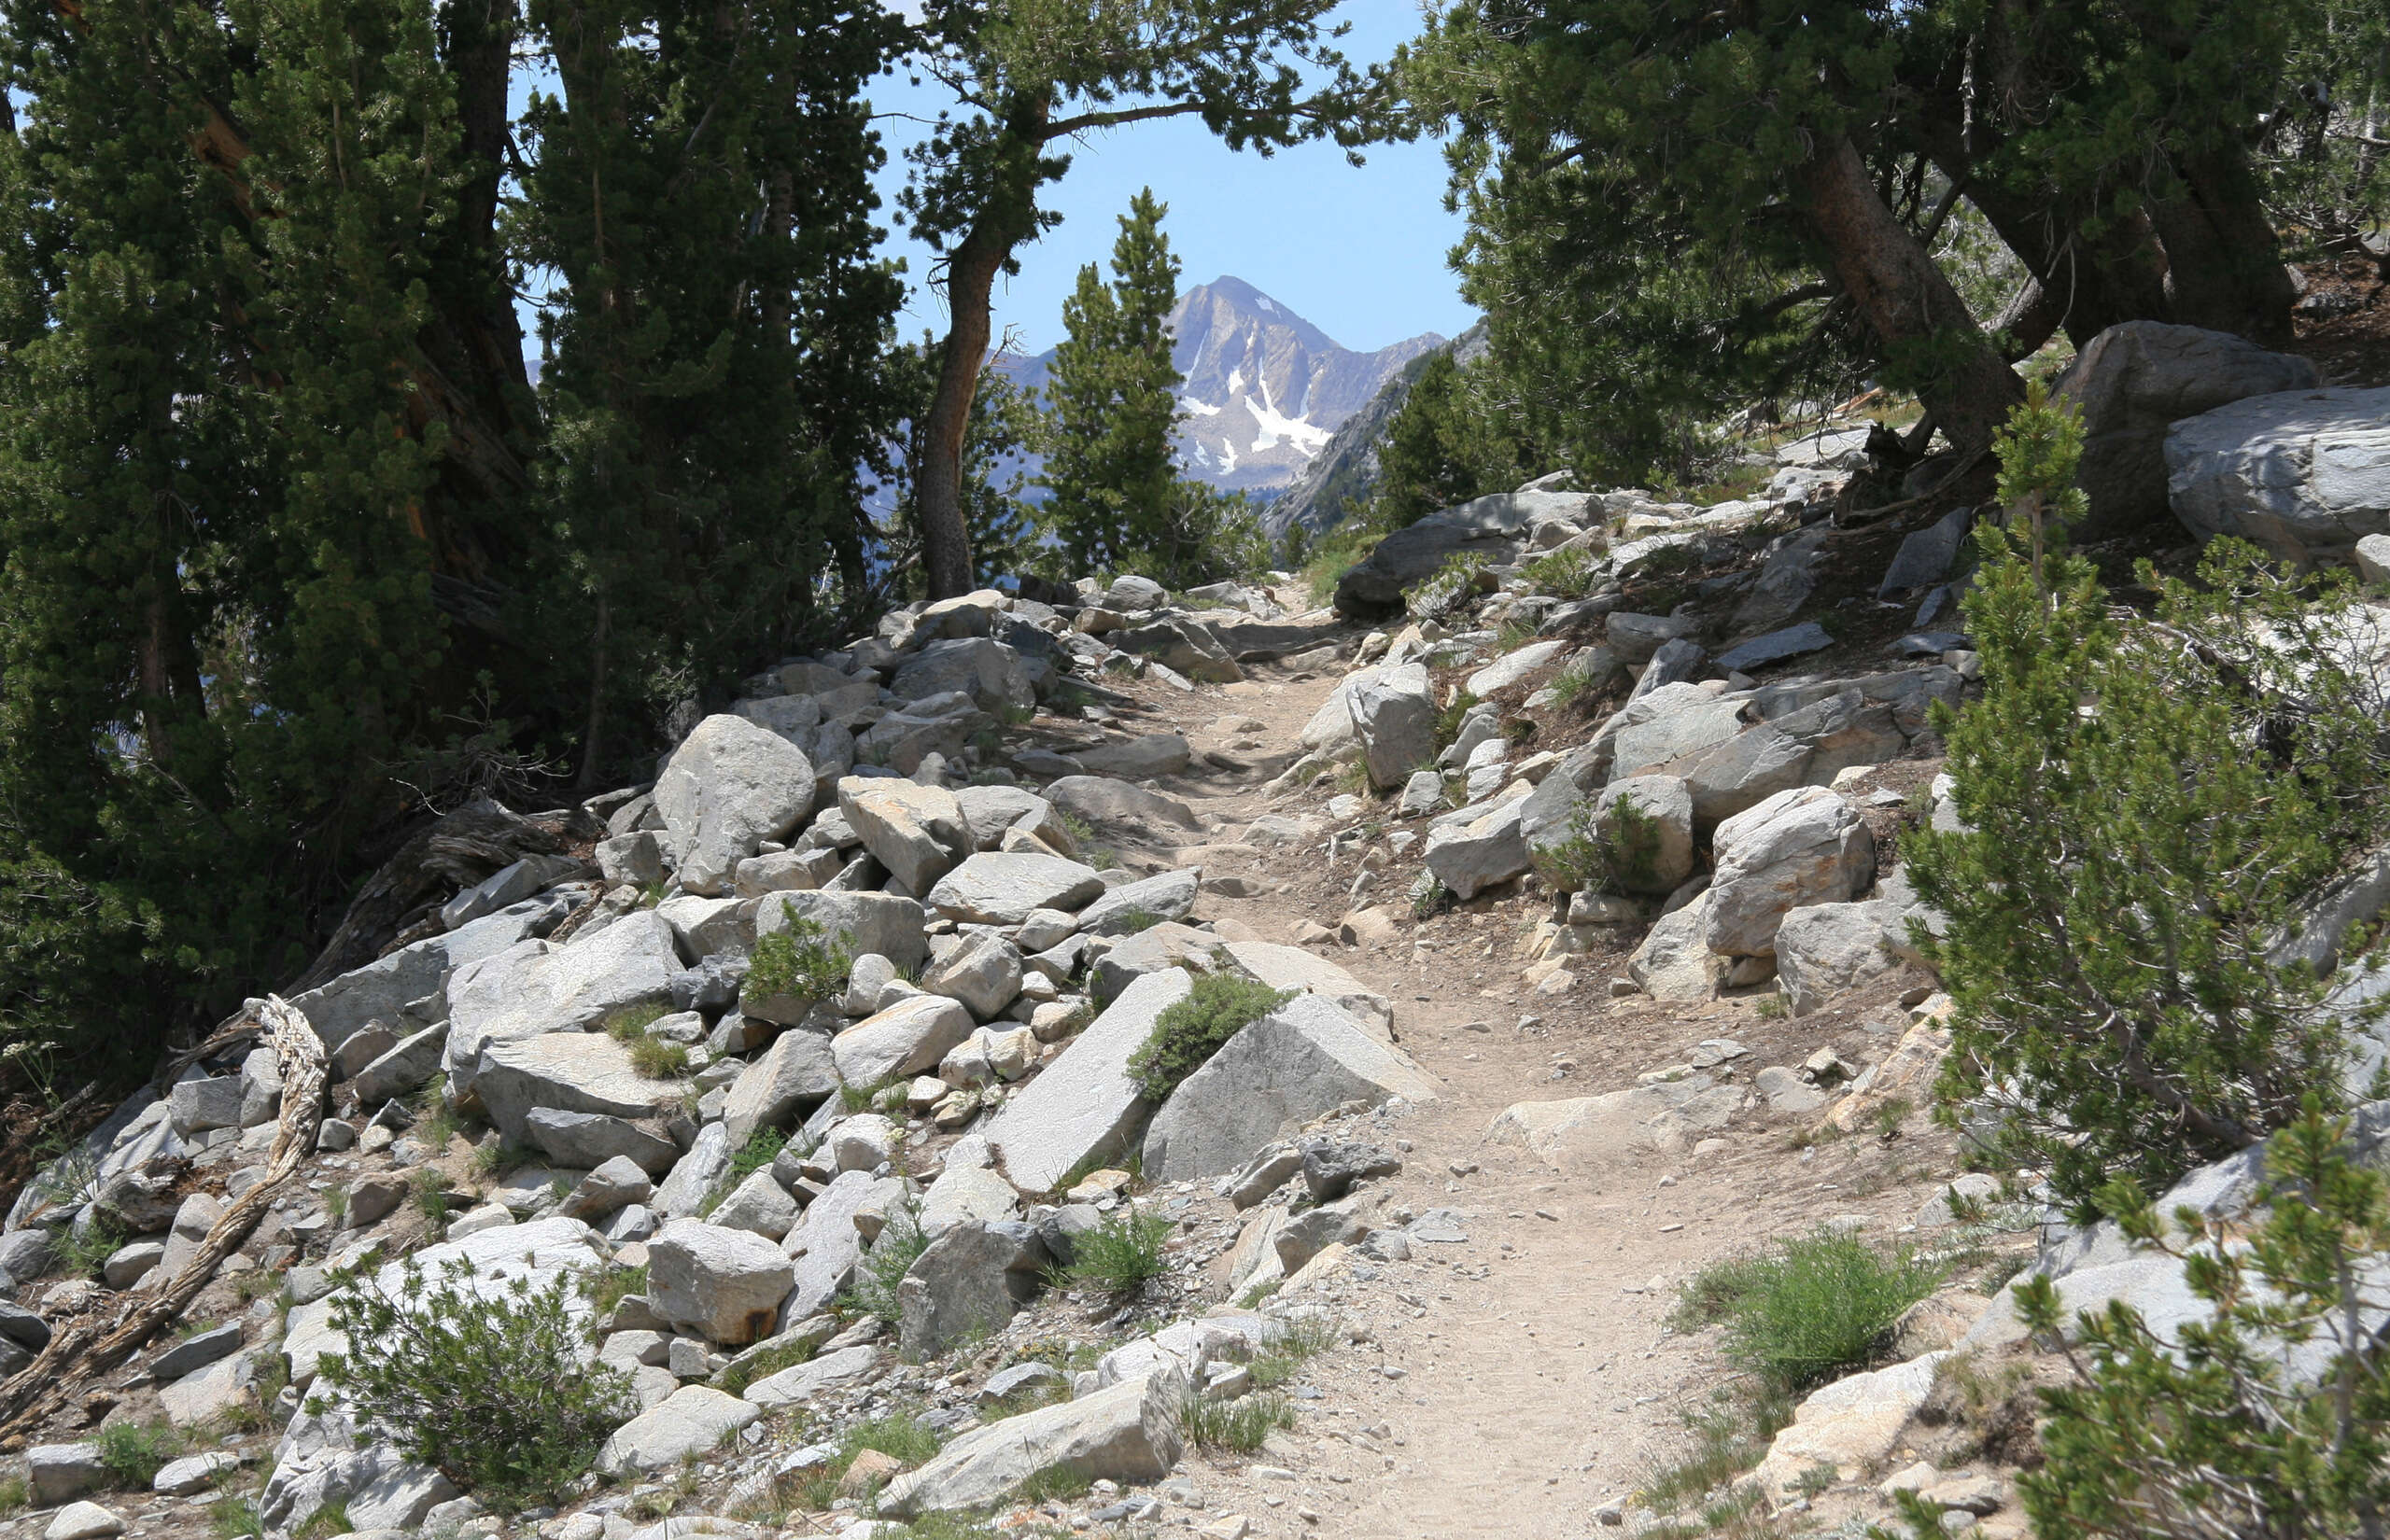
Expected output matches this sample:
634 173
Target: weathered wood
85 1349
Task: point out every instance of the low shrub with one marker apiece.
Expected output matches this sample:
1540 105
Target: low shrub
1811 1309
1238 1426
658 1058
134 1452
1618 853
1122 1252
800 962
493 1387
762 1148
884 1265
1189 1032
1566 574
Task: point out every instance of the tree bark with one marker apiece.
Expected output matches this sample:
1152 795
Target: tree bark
2223 261
1007 217
1905 299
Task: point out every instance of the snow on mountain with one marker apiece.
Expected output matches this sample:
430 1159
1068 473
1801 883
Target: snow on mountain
1265 388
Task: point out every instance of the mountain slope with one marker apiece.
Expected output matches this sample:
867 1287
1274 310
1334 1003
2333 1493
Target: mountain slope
1346 470
1265 391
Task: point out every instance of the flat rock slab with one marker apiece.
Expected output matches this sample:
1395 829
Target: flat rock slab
2305 474
1083 1105
1004 888
564 1071
1303 1060
811 1378
692 1421
1775 647
1129 1432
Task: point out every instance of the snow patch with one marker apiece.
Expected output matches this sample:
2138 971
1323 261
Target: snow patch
1228 456
1275 428
1200 409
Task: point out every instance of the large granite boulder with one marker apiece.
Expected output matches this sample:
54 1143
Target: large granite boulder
731 785
564 1071
1003 888
535 988
1394 713
1495 527
917 832
2131 383
2305 475
1083 1105
1801 847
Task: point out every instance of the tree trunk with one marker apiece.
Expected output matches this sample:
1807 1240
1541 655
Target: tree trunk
1007 218
1905 299
946 539
2223 261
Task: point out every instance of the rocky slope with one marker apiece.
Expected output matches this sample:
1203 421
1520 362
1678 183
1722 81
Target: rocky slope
1417 1230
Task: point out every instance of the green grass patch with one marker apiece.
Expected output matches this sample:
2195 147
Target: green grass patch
1302 1341
1811 1309
1188 1033
134 1452
630 1023
1728 1437
801 961
653 1058
884 1265
1236 1426
1121 1253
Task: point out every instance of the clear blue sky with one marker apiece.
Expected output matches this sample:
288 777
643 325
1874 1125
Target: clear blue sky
1358 251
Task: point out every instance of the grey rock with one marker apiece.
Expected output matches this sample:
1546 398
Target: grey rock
60 1473
1394 714
1331 1170
1666 804
563 1072
692 1420
1181 644
984 974
1165 896
1801 847
797 1071
1784 584
2130 383
1141 757
907 1038
582 1140
729 786
196 1351
695 1174
1308 1234
1824 949
1926 556
1495 527
1636 638
973 1279
989 672
383 989
1484 852
2305 475
891 926
1676 662
1105 802
838 1368
1083 1105
535 988
1775 647
1302 1060
408 1063
826 1247
1126 1431
616 1184
759 1205
725 1283
917 832
200 1105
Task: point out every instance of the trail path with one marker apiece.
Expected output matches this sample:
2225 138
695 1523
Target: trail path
1517 1384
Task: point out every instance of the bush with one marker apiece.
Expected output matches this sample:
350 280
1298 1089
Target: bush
1189 1032
657 1058
1567 574
891 1256
2118 906
1238 1426
1618 854
1810 1310
1121 1252
134 1452
800 962
494 1387
2212 1436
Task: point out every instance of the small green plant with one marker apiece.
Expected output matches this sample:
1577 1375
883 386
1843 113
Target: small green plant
336 1206
657 1058
1188 1033
607 1287
630 1023
492 1157
1236 1426
437 1119
1127 922
800 962
85 1255
1614 851
134 1452
1814 1308
765 1364
428 1190
2273 1415
1429 896
1451 584
1300 1341
236 1519
1353 778
491 1386
329 1519
861 1099
1730 1435
1120 1253
902 1436
1055 1484
1570 685
891 1256
1081 832
1514 633
1772 1006
1566 574
16 1496
762 1148
1891 1114
1450 717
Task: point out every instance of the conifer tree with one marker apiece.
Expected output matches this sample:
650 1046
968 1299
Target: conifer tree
1113 398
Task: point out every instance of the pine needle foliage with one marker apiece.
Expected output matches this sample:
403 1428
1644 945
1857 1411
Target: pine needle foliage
2271 1416
1189 1031
497 1387
2150 804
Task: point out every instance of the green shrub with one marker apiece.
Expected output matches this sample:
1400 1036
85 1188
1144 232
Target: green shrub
2130 866
2213 1437
330 1519
494 1387
1566 574
1127 922
235 1519
762 1148
85 1255
1728 1437
1450 718
1190 1032
1297 1343
1121 1252
1811 1309
1236 1426
630 1023
659 1058
800 962
607 1287
1616 854
891 1256
134 1452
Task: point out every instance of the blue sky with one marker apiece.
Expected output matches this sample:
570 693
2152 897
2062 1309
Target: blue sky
1358 252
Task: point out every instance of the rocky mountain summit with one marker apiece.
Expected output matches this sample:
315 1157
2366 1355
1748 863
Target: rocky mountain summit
1265 389
1091 1058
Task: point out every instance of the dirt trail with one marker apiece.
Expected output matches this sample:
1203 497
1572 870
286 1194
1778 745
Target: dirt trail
1517 1384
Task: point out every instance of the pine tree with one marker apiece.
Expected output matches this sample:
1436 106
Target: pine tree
2143 831
1444 446
1113 398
